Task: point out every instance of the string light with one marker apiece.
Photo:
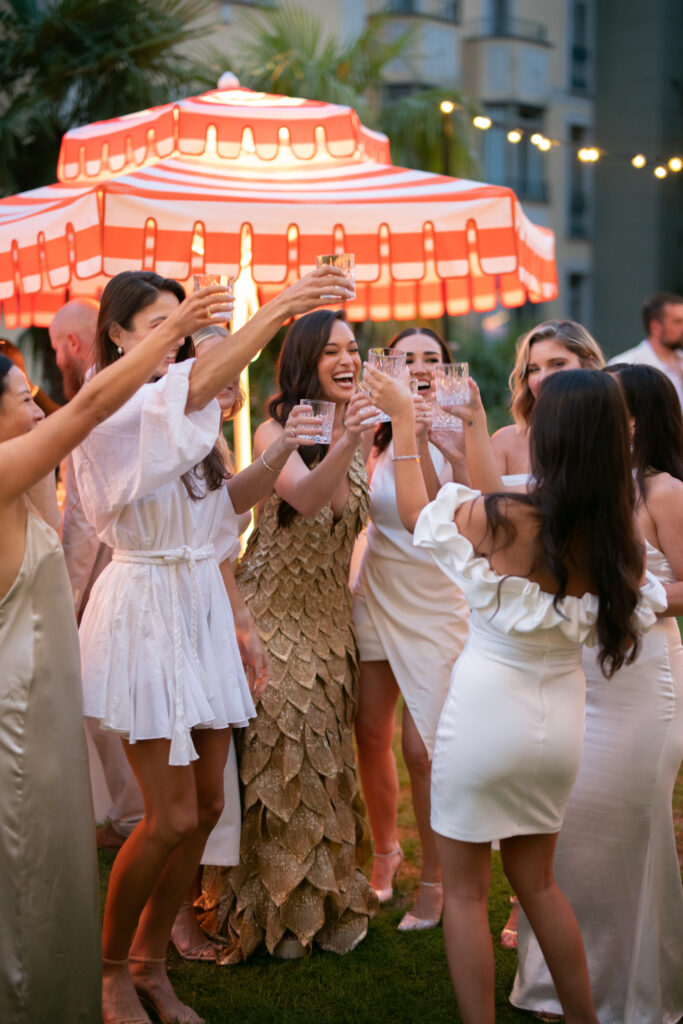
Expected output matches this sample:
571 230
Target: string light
446 107
586 154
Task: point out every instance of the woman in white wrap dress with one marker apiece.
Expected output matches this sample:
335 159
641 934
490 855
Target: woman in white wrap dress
161 664
538 585
411 622
616 855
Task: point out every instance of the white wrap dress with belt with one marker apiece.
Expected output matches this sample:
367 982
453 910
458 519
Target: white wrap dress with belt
158 645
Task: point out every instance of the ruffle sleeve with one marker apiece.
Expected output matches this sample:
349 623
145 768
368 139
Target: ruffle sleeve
513 603
147 443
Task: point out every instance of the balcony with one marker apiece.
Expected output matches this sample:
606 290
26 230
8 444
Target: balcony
439 10
578 224
508 28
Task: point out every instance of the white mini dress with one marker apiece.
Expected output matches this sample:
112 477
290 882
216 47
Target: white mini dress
158 644
509 740
406 611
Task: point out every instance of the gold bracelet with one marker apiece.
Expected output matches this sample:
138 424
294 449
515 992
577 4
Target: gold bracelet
271 469
402 458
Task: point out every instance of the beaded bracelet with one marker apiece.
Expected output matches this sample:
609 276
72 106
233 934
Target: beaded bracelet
272 469
402 458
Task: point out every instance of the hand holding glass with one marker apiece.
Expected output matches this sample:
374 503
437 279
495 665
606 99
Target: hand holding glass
325 410
452 390
347 262
226 280
391 362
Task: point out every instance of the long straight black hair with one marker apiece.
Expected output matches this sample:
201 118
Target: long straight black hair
584 497
658 434
297 377
123 298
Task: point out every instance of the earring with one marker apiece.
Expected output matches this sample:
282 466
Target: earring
119 350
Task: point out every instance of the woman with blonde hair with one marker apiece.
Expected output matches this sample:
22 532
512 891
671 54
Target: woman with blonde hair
550 347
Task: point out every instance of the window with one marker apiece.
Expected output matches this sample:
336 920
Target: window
579 212
579 62
577 297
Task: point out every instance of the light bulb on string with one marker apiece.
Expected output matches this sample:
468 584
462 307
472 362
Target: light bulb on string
675 164
483 123
660 172
514 136
639 160
446 107
588 155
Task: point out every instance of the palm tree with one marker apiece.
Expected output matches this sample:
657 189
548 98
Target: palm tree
287 50
69 62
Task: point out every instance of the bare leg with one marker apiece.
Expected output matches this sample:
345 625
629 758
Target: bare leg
466 870
148 968
374 726
528 863
429 899
170 816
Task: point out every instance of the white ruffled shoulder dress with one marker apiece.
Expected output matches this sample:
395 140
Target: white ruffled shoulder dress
616 855
158 645
508 744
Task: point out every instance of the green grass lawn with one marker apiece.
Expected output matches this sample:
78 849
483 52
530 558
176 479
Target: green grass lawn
391 978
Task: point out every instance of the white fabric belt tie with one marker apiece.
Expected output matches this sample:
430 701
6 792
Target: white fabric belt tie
182 748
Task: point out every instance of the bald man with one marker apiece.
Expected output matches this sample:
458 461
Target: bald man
72 336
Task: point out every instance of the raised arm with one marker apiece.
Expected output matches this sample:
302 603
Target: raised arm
226 362
27 458
481 462
309 490
394 398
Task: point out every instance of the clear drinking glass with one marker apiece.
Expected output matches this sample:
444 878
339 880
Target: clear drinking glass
347 262
326 412
226 280
391 362
451 389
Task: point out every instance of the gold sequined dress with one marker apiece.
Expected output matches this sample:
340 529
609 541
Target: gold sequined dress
302 814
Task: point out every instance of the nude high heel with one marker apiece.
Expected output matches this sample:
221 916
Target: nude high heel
411 923
385 892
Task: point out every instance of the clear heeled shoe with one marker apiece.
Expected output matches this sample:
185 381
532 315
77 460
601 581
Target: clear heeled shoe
411 923
385 893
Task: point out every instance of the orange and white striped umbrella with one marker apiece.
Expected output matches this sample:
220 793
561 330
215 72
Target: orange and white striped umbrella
226 122
424 243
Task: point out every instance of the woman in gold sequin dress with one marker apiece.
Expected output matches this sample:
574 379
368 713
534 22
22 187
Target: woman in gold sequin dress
298 878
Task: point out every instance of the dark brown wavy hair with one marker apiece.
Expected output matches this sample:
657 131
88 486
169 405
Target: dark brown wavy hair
122 299
584 497
658 435
297 377
383 434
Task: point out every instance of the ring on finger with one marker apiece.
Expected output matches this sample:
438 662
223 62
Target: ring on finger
292 431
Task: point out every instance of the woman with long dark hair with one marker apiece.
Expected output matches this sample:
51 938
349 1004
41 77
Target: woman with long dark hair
616 855
50 966
538 572
161 664
298 882
412 624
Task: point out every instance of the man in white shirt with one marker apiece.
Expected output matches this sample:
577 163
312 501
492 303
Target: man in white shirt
72 335
663 347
